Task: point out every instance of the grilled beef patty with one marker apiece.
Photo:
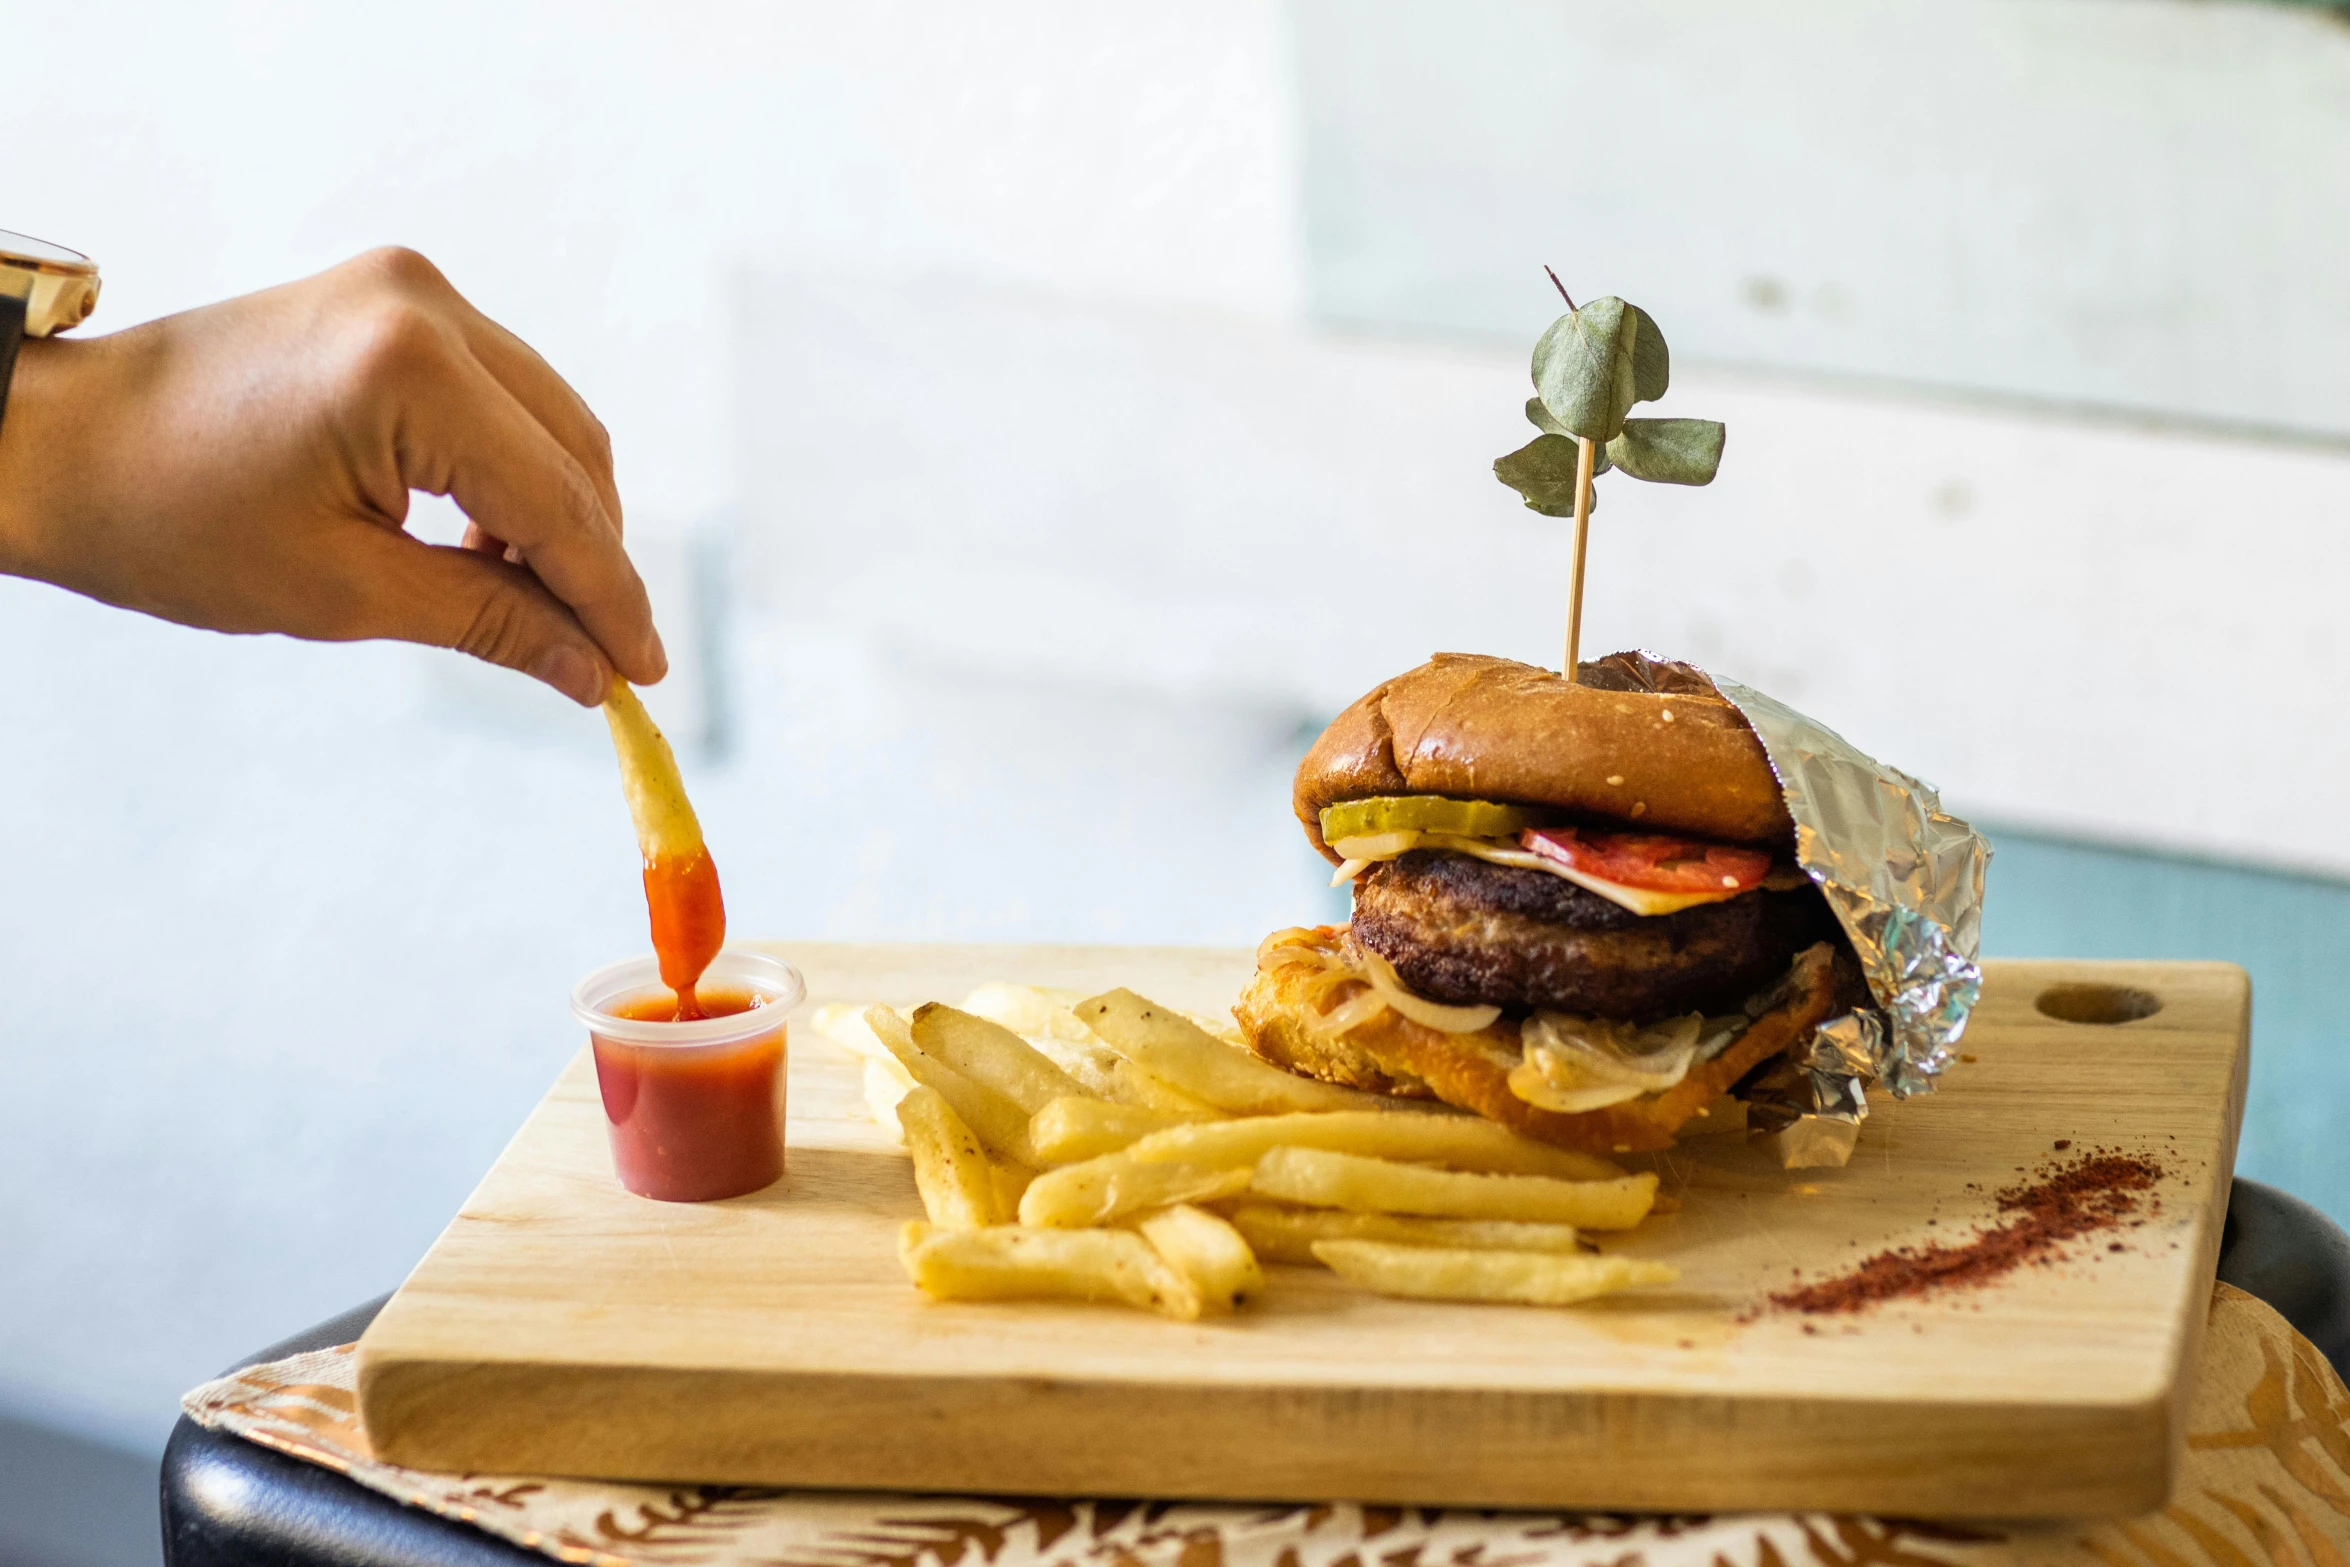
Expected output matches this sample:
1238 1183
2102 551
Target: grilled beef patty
1462 930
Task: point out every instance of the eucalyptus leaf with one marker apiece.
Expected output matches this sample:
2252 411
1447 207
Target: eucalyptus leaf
1652 366
1543 471
1540 418
1583 368
1669 451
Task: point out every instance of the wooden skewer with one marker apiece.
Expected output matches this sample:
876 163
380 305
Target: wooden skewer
1585 455
1585 458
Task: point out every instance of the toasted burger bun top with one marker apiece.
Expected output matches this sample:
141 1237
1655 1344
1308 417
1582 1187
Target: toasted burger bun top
1475 727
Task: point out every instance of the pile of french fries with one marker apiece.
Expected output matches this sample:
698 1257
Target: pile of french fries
1112 1149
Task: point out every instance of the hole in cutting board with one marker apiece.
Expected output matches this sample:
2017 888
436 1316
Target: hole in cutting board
2097 1003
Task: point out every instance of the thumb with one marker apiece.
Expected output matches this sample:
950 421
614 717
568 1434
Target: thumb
448 596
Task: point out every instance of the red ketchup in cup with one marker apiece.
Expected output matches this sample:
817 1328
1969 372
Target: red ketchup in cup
695 1108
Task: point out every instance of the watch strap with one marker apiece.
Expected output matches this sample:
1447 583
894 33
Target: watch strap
12 319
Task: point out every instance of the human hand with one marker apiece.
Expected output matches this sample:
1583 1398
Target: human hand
246 467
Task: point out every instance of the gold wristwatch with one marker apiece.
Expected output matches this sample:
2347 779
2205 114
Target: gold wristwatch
44 288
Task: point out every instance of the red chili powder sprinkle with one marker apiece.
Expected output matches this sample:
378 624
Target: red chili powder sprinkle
2092 1191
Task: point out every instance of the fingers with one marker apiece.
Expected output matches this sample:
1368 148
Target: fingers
550 399
470 438
448 596
533 382
515 365
482 542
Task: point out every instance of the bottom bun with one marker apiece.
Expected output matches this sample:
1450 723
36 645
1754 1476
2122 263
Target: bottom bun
1389 1053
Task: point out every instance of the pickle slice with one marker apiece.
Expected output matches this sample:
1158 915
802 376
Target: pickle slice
1425 813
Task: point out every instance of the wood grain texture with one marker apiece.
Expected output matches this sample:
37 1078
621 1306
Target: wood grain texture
561 1326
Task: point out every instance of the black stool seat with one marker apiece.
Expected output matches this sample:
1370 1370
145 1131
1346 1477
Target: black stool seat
230 1503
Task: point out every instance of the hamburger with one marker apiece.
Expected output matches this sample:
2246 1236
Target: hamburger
1576 909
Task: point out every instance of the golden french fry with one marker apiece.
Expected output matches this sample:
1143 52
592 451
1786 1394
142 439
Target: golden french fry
1217 1028
1093 1064
1010 1262
665 823
1031 1011
1465 1142
952 1170
1011 1184
1281 1234
1208 1251
1131 1085
886 1081
885 1090
1166 1044
1042 1018
844 1024
1321 1179
1001 1124
1107 1188
1068 1130
992 1055
1525 1278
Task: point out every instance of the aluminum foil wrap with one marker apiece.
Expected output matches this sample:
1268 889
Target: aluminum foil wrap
1905 879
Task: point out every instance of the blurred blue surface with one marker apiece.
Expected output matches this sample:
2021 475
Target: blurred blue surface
2051 898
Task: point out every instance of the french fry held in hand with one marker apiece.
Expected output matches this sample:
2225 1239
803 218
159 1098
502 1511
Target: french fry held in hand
1101 1190
1318 1178
1000 1123
1208 1251
681 882
1011 1262
1168 1045
1068 1130
1282 1234
1524 1278
992 1055
1464 1142
953 1172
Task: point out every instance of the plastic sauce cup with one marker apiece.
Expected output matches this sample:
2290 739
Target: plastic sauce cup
696 1109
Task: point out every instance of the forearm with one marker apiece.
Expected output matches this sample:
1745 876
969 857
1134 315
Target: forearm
30 429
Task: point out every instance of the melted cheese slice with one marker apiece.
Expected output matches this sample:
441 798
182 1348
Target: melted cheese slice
1361 853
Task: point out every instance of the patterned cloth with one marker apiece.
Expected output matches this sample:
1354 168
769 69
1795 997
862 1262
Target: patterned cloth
2266 1483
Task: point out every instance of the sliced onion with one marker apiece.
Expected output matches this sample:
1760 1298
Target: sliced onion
1348 872
1353 1013
1383 991
1598 1050
1528 1083
1377 845
1331 978
1579 1063
1294 945
1430 1014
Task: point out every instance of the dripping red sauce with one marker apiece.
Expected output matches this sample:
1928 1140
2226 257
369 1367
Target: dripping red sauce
689 926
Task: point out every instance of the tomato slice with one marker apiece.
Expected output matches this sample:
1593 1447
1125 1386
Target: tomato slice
1651 861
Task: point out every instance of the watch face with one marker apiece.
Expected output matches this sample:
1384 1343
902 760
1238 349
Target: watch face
22 248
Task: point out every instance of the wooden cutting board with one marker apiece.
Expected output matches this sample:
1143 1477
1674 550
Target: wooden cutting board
561 1326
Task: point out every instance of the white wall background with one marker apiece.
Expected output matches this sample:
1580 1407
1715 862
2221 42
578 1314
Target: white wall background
589 170
2107 202
1011 299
